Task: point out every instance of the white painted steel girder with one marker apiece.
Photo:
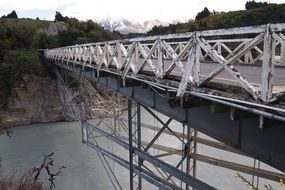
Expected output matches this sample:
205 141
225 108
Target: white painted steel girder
184 54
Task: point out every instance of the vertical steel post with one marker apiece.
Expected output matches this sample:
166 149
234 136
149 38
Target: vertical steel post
219 48
140 161
130 143
188 152
136 58
195 152
114 110
196 67
83 108
120 58
246 55
191 148
282 53
63 76
267 65
159 57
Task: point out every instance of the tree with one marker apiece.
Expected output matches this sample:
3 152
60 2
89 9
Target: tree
13 14
214 13
59 18
253 5
203 14
192 27
23 35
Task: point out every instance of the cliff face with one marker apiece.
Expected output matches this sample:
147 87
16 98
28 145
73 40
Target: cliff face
34 100
53 28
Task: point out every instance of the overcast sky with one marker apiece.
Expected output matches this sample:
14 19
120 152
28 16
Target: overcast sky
134 10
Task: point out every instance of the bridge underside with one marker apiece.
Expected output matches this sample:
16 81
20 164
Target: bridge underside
237 128
227 84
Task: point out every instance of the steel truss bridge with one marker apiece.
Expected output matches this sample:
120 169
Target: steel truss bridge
228 84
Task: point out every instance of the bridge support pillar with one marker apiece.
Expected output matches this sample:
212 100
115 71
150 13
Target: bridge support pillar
84 131
131 153
191 147
139 143
83 112
135 136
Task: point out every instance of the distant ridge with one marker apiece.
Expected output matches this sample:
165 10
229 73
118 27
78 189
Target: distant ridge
272 13
125 26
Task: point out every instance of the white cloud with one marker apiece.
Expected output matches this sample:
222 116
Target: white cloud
135 10
27 5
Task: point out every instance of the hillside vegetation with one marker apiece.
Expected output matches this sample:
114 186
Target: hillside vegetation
20 39
257 14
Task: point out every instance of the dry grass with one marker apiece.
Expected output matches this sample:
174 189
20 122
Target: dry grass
11 182
30 180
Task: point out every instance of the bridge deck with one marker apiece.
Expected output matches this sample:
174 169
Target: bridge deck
253 73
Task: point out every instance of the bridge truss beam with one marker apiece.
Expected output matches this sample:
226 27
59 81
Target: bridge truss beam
182 56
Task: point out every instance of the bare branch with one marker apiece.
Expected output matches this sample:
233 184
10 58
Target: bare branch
46 164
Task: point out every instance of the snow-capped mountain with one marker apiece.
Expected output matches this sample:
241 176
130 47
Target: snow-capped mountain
125 26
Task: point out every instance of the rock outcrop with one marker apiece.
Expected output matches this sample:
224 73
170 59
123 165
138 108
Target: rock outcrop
53 28
34 100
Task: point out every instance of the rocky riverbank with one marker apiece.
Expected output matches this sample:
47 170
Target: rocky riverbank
33 100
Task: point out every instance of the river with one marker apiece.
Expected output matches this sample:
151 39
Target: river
84 171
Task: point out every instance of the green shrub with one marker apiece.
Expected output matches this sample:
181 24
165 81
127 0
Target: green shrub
14 65
271 13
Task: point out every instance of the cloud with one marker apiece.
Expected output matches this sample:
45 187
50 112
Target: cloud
167 10
134 10
27 5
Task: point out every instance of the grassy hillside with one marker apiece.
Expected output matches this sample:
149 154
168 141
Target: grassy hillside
20 39
84 32
272 13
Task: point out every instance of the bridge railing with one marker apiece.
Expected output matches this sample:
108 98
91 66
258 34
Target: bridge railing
183 55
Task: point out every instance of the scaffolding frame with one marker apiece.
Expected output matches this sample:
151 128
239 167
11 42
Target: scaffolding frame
160 173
